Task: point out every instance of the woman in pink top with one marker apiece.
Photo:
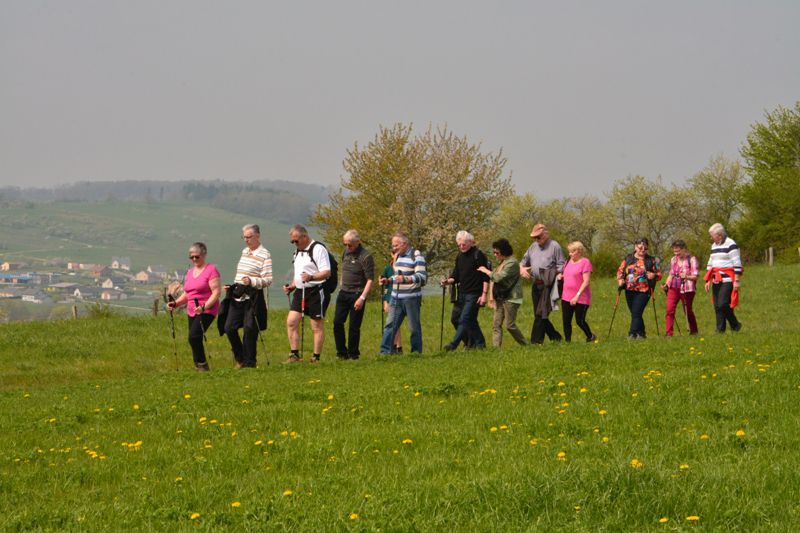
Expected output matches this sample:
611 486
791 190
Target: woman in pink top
681 285
576 295
201 288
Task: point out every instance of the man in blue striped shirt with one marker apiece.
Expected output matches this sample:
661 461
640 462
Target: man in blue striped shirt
410 275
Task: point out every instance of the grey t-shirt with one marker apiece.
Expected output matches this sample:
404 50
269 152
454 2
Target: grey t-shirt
543 257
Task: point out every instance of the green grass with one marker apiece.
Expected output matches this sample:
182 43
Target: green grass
482 430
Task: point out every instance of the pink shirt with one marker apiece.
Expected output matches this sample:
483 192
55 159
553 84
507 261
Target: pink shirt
199 287
573 279
688 265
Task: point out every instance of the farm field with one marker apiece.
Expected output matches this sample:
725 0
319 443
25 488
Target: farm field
102 432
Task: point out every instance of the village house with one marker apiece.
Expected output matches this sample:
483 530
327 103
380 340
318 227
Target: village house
35 297
8 265
113 294
145 277
121 263
158 270
86 293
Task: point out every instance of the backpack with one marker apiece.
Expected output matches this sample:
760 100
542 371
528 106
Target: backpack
330 284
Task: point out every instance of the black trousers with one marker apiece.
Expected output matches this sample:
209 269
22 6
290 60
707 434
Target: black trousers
579 310
198 325
240 315
455 318
542 326
344 309
722 306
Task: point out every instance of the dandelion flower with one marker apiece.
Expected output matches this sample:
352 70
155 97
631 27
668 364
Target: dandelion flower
194 516
740 433
353 516
636 463
663 520
330 396
186 397
602 412
408 441
136 407
561 456
493 429
693 518
236 504
704 437
684 466
288 492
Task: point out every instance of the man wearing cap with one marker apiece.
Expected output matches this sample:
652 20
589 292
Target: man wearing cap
543 262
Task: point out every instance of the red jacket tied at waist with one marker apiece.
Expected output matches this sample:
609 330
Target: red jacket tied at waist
715 274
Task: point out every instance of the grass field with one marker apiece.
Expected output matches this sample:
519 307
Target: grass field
102 433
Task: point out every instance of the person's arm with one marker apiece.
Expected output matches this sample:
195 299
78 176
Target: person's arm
694 269
216 289
621 274
264 278
587 275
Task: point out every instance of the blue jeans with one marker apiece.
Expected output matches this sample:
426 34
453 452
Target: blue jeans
637 303
468 326
398 310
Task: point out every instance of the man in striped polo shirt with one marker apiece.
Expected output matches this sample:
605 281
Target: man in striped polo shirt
248 309
723 273
410 275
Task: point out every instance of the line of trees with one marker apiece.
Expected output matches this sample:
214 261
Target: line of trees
433 184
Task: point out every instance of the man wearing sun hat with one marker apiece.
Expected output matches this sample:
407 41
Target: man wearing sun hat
543 262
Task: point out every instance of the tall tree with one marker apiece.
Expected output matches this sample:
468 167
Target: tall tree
772 198
429 186
718 191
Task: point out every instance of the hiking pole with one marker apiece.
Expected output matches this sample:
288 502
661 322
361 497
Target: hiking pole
171 299
655 315
196 305
614 314
258 333
441 322
383 300
302 318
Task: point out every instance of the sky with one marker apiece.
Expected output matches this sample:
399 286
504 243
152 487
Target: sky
576 94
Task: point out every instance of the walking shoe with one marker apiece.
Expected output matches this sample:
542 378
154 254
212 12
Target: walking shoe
314 359
737 328
293 359
342 356
202 367
592 338
449 347
238 365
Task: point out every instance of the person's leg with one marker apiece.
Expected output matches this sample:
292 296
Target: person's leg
196 340
538 328
688 301
511 322
394 318
580 319
318 327
718 291
356 318
234 321
250 335
673 297
640 300
724 305
339 318
497 323
293 329
468 305
474 331
411 308
566 319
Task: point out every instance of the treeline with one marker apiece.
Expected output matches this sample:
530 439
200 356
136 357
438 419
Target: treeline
450 184
282 201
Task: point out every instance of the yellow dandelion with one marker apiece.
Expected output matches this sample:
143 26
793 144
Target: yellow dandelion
663 520
740 433
330 396
236 504
561 456
136 407
684 466
257 443
693 518
493 429
178 479
636 463
562 384
704 437
604 440
408 441
194 516
353 516
602 412
583 390
186 397
288 492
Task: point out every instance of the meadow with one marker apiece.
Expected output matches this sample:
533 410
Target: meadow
104 431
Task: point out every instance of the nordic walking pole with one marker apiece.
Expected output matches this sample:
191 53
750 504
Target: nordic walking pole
383 296
441 322
655 315
196 306
302 318
614 314
171 299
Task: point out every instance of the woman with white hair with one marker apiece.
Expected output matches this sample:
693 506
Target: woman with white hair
723 274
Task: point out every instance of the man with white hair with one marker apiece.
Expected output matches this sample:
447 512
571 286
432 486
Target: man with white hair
723 273
247 308
358 269
472 293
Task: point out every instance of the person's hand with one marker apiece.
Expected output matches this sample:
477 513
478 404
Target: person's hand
707 285
245 281
201 308
482 300
171 305
620 283
651 275
492 304
289 287
574 300
359 304
560 276
484 270
525 272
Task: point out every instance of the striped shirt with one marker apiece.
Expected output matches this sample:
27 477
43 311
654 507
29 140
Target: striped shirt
725 255
256 265
411 265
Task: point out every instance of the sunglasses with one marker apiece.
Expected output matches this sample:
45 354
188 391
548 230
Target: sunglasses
294 241
193 257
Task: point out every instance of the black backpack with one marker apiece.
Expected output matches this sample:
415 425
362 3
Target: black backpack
330 284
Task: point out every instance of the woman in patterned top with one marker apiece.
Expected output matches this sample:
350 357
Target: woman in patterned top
638 274
681 285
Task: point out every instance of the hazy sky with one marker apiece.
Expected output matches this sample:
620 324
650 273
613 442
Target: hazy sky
578 94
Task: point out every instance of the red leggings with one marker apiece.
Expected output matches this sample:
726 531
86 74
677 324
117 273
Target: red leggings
673 297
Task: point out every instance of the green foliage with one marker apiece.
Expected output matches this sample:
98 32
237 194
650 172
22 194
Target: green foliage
100 310
429 186
772 158
516 439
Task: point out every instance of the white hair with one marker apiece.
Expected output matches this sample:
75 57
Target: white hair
352 235
252 227
464 236
718 229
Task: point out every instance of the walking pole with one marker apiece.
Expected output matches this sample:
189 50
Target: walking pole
614 314
258 331
171 299
383 296
196 305
441 322
302 318
655 315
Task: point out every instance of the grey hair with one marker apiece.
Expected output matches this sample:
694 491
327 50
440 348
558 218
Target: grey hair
718 229
351 235
252 227
465 235
200 247
299 229
402 236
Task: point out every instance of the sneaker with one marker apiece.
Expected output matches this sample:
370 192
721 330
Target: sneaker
342 356
293 359
202 367
314 359
737 328
449 347
592 338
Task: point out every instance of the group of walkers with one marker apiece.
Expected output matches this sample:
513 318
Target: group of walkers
473 282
